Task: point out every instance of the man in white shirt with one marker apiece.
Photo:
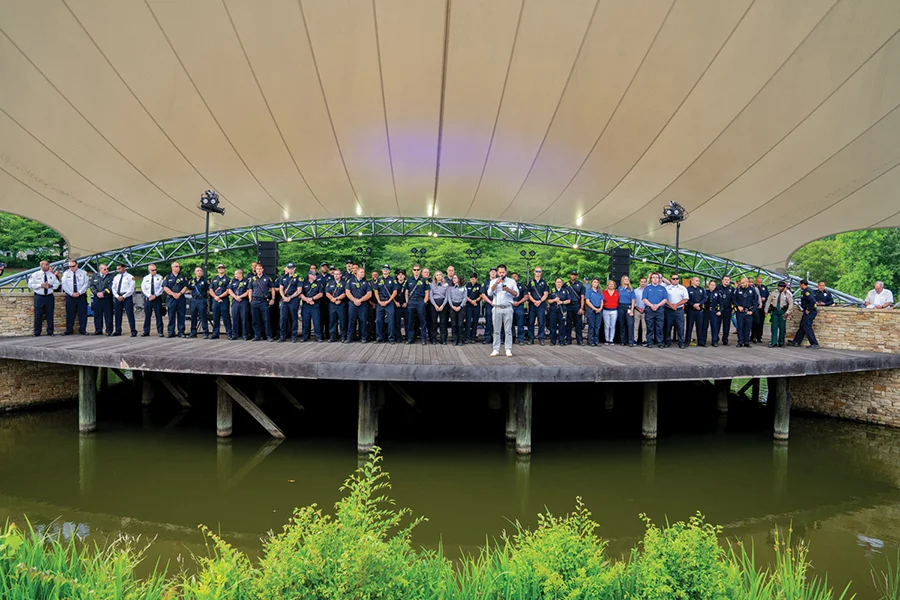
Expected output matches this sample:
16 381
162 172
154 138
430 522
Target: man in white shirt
678 297
502 291
152 289
42 283
75 285
879 298
639 310
123 299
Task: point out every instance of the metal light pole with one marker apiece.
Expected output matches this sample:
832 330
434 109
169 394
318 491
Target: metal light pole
209 203
674 213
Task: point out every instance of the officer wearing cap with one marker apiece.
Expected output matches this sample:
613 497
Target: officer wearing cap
385 292
289 290
488 302
417 292
175 286
779 305
808 306
401 315
239 290
349 272
336 294
312 290
262 296
575 308
199 288
358 291
473 307
101 290
221 302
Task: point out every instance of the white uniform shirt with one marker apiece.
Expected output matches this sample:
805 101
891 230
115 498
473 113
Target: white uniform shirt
75 282
156 289
500 296
123 285
677 293
37 279
875 299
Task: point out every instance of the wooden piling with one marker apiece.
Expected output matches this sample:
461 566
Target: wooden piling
147 390
610 397
365 433
103 375
754 389
87 399
224 413
511 392
723 388
523 419
244 402
650 411
782 398
87 461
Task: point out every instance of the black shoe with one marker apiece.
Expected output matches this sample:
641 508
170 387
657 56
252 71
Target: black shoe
552 343
541 342
701 345
216 336
364 341
681 346
145 335
424 343
205 336
773 345
792 344
134 334
280 340
110 334
660 346
171 335
116 334
814 347
68 333
715 345
781 345
747 346
668 344
293 340
193 336
410 342
95 333
181 335
631 345
38 334
273 339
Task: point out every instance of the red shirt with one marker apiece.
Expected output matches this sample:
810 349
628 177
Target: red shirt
610 301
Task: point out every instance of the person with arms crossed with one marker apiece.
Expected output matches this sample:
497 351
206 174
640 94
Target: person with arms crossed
538 292
336 292
262 296
289 290
473 307
417 292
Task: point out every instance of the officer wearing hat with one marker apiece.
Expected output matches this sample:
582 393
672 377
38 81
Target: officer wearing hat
575 308
349 271
808 306
779 305
239 290
385 292
289 290
311 291
473 306
199 288
401 315
262 296
175 285
221 302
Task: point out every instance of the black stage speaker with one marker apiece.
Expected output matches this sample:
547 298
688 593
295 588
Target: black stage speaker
267 256
619 263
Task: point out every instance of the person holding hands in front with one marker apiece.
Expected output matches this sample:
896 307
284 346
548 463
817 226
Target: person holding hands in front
501 292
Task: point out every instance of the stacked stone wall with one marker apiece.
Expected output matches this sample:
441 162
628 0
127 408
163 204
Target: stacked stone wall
24 384
17 314
863 329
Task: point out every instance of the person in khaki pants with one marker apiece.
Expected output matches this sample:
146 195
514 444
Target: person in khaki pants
639 310
778 305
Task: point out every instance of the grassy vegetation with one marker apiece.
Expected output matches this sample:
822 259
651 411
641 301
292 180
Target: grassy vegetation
363 552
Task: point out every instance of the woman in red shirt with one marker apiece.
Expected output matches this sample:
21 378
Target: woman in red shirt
610 311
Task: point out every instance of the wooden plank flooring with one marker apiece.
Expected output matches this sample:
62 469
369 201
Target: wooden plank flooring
402 362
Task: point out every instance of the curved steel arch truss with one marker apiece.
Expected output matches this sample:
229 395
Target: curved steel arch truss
661 255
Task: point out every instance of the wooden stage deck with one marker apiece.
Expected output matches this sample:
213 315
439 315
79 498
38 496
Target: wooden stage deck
470 363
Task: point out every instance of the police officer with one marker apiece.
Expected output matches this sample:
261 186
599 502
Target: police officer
808 306
655 300
221 302
262 296
175 285
677 299
745 303
417 291
123 299
726 293
239 290
324 278
42 283
349 272
401 314
696 308
538 292
359 291
311 291
152 289
712 312
488 303
759 315
823 297
199 287
779 307
289 290
557 300
575 309
385 292
518 304
336 293
101 290
473 307
75 284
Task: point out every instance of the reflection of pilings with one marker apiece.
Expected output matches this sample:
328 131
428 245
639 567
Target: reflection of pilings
648 462
224 456
87 399
87 462
523 419
650 411
782 408
780 467
365 433
523 481
511 412
723 388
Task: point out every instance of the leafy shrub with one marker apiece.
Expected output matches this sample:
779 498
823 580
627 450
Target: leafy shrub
226 574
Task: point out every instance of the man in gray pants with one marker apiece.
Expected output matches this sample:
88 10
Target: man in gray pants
502 291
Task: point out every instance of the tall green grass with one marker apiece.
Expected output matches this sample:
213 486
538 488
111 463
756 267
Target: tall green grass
363 551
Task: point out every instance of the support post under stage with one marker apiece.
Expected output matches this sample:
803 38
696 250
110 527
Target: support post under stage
723 388
224 413
523 419
146 389
511 395
365 434
782 398
87 399
650 412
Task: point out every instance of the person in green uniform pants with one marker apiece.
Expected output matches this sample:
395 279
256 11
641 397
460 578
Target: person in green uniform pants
778 305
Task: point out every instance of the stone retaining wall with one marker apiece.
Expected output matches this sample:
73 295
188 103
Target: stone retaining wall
17 314
853 328
24 384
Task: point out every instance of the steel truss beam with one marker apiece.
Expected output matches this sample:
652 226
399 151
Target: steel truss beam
705 265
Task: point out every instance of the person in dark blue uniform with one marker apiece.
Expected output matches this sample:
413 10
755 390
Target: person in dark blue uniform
726 293
199 289
823 296
289 290
312 290
385 292
712 312
372 305
239 290
696 307
101 290
349 272
401 315
557 300
746 302
538 292
336 293
473 307
175 286
221 302
123 300
42 283
575 309
655 299
359 291
488 304
324 278
519 312
416 297
759 316
808 306
262 296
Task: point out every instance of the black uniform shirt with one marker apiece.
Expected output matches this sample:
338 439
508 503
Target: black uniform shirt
175 283
537 289
239 287
385 287
220 284
726 294
824 297
746 298
807 300
576 293
260 288
713 301
561 294
358 287
311 288
102 283
335 288
290 283
199 287
473 291
417 286
763 292
696 295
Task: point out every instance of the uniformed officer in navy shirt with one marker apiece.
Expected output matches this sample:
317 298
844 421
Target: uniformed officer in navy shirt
385 292
311 291
711 314
239 290
808 306
759 316
557 303
324 277
199 289
101 290
401 314
336 293
359 292
417 291
538 292
746 301
289 289
221 302
696 306
473 307
726 294
575 310
175 286
823 297
262 296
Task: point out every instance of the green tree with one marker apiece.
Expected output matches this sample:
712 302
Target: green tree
869 256
819 260
18 234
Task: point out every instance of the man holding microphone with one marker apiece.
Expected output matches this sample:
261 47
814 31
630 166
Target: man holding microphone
502 291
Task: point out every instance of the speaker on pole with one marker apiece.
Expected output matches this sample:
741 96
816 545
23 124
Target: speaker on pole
267 256
619 263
